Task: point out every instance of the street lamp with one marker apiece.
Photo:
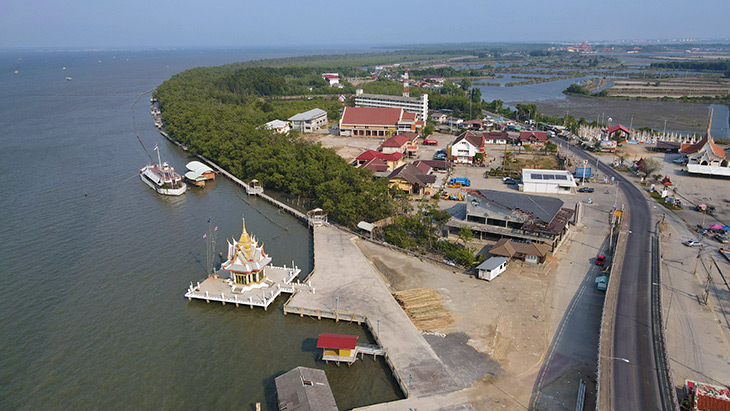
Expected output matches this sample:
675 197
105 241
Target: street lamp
617 358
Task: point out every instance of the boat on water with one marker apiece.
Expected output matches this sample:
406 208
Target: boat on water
68 79
163 178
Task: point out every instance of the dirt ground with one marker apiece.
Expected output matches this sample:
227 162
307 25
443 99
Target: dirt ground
535 327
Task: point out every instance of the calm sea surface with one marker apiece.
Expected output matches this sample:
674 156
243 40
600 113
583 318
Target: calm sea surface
94 264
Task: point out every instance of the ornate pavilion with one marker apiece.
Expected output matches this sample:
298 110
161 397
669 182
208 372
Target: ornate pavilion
246 260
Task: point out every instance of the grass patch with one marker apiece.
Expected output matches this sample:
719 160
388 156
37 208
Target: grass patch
658 197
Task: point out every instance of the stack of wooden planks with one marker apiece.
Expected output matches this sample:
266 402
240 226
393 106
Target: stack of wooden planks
424 308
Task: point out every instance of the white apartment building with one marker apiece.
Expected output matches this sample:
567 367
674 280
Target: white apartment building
408 104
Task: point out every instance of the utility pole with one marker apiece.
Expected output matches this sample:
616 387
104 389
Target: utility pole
706 293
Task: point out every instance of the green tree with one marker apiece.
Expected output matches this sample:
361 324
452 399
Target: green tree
466 235
428 130
465 84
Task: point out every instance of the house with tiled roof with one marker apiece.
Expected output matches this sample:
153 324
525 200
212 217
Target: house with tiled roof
412 179
495 137
465 147
533 138
395 144
529 252
706 157
393 160
377 165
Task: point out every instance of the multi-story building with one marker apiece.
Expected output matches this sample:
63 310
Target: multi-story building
409 104
309 121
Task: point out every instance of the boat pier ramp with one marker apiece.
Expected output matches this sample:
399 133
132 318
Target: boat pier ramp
349 288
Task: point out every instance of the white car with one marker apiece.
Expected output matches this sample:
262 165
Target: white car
692 243
680 160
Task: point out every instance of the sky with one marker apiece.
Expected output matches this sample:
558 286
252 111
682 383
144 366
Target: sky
265 23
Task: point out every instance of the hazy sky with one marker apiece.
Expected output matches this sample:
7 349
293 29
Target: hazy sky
244 23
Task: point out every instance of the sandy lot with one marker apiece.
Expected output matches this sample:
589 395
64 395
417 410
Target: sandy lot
531 334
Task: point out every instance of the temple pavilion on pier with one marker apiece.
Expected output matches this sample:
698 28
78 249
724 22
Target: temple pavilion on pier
246 260
247 277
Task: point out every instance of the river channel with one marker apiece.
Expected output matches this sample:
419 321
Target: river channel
95 264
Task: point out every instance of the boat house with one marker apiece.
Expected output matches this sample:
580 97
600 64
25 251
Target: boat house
304 389
338 347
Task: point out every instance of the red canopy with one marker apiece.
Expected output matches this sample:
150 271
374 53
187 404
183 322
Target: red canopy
338 341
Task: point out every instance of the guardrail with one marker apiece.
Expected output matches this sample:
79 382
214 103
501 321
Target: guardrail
604 388
664 371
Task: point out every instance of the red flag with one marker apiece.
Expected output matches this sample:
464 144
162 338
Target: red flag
216 228
205 235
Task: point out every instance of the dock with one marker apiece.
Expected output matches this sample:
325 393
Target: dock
349 289
251 190
219 288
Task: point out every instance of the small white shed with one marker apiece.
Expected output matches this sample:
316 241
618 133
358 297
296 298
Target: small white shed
491 268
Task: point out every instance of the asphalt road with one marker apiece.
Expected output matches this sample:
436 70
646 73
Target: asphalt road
635 381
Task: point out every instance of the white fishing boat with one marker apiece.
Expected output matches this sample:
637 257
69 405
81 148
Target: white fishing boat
163 178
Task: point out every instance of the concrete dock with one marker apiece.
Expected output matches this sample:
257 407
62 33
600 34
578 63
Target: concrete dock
221 289
348 288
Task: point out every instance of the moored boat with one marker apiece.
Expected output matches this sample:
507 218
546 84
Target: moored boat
162 178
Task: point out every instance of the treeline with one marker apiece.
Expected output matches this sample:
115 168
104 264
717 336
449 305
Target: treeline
279 81
718 65
217 113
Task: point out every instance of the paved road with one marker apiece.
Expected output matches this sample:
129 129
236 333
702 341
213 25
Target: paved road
635 383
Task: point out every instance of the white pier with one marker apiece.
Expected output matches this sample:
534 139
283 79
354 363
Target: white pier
220 288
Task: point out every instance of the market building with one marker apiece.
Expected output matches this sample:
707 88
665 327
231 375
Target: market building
493 215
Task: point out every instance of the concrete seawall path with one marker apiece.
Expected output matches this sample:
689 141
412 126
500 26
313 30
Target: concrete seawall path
345 282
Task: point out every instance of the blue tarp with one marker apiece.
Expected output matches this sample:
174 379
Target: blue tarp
579 172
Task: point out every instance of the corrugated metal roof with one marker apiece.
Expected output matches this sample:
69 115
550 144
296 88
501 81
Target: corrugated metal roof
308 115
338 341
492 263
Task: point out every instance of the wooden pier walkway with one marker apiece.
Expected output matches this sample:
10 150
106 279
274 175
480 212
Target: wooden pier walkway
296 213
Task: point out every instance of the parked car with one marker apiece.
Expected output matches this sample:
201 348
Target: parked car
586 190
439 156
692 243
509 180
600 260
680 160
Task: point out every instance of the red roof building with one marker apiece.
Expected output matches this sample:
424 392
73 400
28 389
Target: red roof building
337 341
618 129
376 165
393 160
537 138
397 143
337 347
376 121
